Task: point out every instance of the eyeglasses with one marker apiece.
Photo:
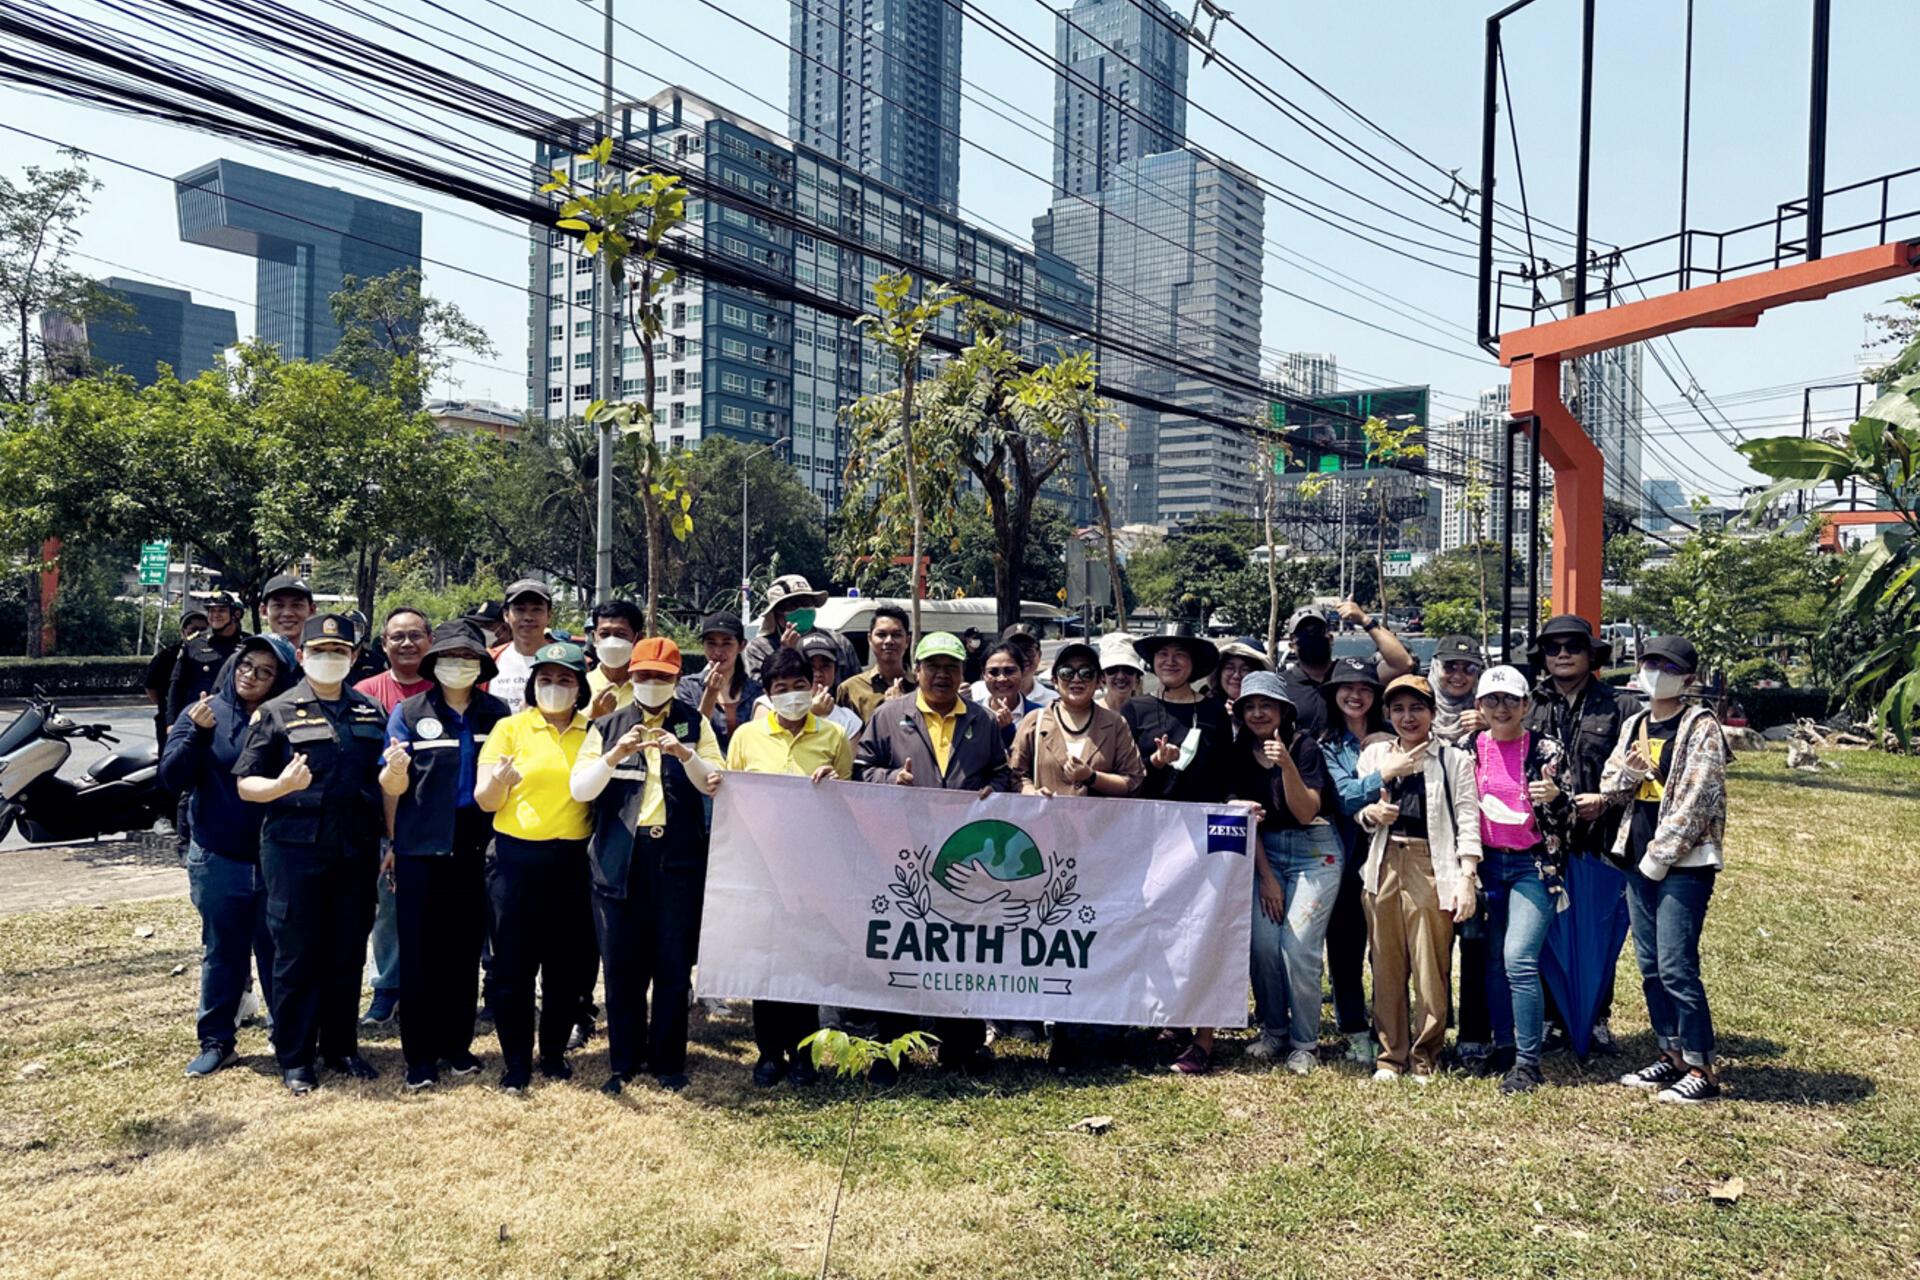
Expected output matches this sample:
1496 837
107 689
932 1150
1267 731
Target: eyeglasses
407 637
259 671
1503 700
1563 646
1077 673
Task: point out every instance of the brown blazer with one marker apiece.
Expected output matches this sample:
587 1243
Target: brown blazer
1039 753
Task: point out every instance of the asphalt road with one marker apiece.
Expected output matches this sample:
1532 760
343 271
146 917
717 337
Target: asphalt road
131 723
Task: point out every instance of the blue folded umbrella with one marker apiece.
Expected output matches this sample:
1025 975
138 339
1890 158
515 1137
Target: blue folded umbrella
1583 944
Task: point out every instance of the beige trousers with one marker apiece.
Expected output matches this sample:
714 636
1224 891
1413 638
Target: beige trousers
1412 939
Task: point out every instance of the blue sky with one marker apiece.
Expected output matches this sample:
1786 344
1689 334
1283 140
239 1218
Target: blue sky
1414 66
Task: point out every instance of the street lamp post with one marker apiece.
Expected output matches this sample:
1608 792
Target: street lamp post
746 589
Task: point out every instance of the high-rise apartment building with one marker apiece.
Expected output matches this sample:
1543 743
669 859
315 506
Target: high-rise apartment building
875 85
1121 94
306 239
1664 499
746 362
1603 390
162 326
1473 444
1305 374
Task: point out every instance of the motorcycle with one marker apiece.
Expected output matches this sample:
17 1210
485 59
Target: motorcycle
120 792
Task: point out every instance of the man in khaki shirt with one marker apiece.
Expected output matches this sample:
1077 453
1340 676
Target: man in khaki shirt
888 677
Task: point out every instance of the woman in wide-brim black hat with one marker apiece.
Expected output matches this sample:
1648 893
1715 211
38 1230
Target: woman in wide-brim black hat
1181 733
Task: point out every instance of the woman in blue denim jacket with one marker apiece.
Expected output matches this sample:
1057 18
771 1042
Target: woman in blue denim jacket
1352 692
223 856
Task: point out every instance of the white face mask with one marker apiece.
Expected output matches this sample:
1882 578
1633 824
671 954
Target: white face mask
553 698
457 673
613 651
327 666
652 693
792 705
1662 686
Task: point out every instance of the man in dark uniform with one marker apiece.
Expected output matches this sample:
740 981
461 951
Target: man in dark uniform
1584 713
197 669
313 756
160 669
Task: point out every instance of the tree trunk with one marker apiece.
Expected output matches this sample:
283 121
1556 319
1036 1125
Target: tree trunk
1380 556
1480 555
1106 523
366 579
1273 572
909 365
1013 552
33 608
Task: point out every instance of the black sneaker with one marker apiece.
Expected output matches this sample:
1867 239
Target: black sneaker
615 1085
1690 1090
300 1080
419 1078
514 1083
1662 1072
768 1072
381 1009
464 1064
353 1065
1524 1078
212 1058
556 1069
672 1081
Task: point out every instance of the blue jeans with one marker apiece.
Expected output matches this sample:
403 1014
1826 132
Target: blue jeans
1286 955
1667 916
232 900
1519 909
386 939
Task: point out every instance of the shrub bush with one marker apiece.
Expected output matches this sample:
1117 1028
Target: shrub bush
64 677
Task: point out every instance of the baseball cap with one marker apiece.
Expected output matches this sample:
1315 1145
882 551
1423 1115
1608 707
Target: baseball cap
1302 616
1350 671
1412 684
1078 653
286 583
657 656
529 587
1459 649
1675 649
723 624
1501 679
820 644
940 644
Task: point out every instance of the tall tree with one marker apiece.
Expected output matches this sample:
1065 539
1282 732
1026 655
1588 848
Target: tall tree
785 525
397 339
1387 445
1063 392
39 227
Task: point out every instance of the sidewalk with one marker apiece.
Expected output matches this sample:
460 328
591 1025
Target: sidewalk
77 875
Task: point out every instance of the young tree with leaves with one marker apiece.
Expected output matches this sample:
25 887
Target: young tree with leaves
1387 445
625 225
1063 391
899 323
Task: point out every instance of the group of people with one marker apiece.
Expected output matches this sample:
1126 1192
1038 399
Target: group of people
536 809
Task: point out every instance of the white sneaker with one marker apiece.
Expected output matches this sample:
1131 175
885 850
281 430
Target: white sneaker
1303 1062
1422 1080
1385 1075
1263 1048
1362 1049
249 1006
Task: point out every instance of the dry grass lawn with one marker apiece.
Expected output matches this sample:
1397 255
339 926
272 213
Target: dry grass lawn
112 1164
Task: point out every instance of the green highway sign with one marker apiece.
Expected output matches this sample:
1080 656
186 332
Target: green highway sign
154 557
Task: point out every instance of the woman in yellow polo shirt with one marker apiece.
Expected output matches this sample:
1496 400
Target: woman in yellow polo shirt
537 879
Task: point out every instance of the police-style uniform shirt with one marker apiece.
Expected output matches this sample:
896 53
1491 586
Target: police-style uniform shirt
343 740
197 670
444 746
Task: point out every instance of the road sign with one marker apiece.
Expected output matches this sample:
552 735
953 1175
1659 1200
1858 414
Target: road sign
1087 581
154 557
1399 564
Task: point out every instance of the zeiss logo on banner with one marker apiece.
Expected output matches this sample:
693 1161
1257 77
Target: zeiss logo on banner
1227 833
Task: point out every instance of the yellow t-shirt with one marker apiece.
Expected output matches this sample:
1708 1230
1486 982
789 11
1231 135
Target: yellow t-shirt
540 806
940 728
653 792
622 692
763 745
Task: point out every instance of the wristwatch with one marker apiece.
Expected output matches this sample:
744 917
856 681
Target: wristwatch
1370 624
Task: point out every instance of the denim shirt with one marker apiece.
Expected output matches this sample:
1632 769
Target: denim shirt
1352 790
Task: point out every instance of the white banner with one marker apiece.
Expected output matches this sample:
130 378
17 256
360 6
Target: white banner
916 900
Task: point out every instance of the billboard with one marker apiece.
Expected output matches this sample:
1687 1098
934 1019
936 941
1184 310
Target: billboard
1324 431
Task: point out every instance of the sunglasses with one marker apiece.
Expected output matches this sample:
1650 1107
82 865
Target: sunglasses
1460 668
1661 664
1557 647
1076 673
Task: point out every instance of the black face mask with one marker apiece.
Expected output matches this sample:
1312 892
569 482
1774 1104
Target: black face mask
1313 647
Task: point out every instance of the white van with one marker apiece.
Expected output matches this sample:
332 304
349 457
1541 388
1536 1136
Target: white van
851 616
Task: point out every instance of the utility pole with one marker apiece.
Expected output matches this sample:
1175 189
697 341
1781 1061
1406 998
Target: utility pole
605 330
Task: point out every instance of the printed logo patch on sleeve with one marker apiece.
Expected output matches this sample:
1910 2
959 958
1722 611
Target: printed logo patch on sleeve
1227 833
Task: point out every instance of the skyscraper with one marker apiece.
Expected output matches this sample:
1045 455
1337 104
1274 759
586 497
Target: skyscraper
1121 95
1664 500
875 85
1175 244
1604 391
1306 374
166 327
306 239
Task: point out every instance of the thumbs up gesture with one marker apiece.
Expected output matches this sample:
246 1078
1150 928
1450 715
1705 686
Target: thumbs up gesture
904 776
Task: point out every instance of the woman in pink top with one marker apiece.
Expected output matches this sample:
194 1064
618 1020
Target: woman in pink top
1524 819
